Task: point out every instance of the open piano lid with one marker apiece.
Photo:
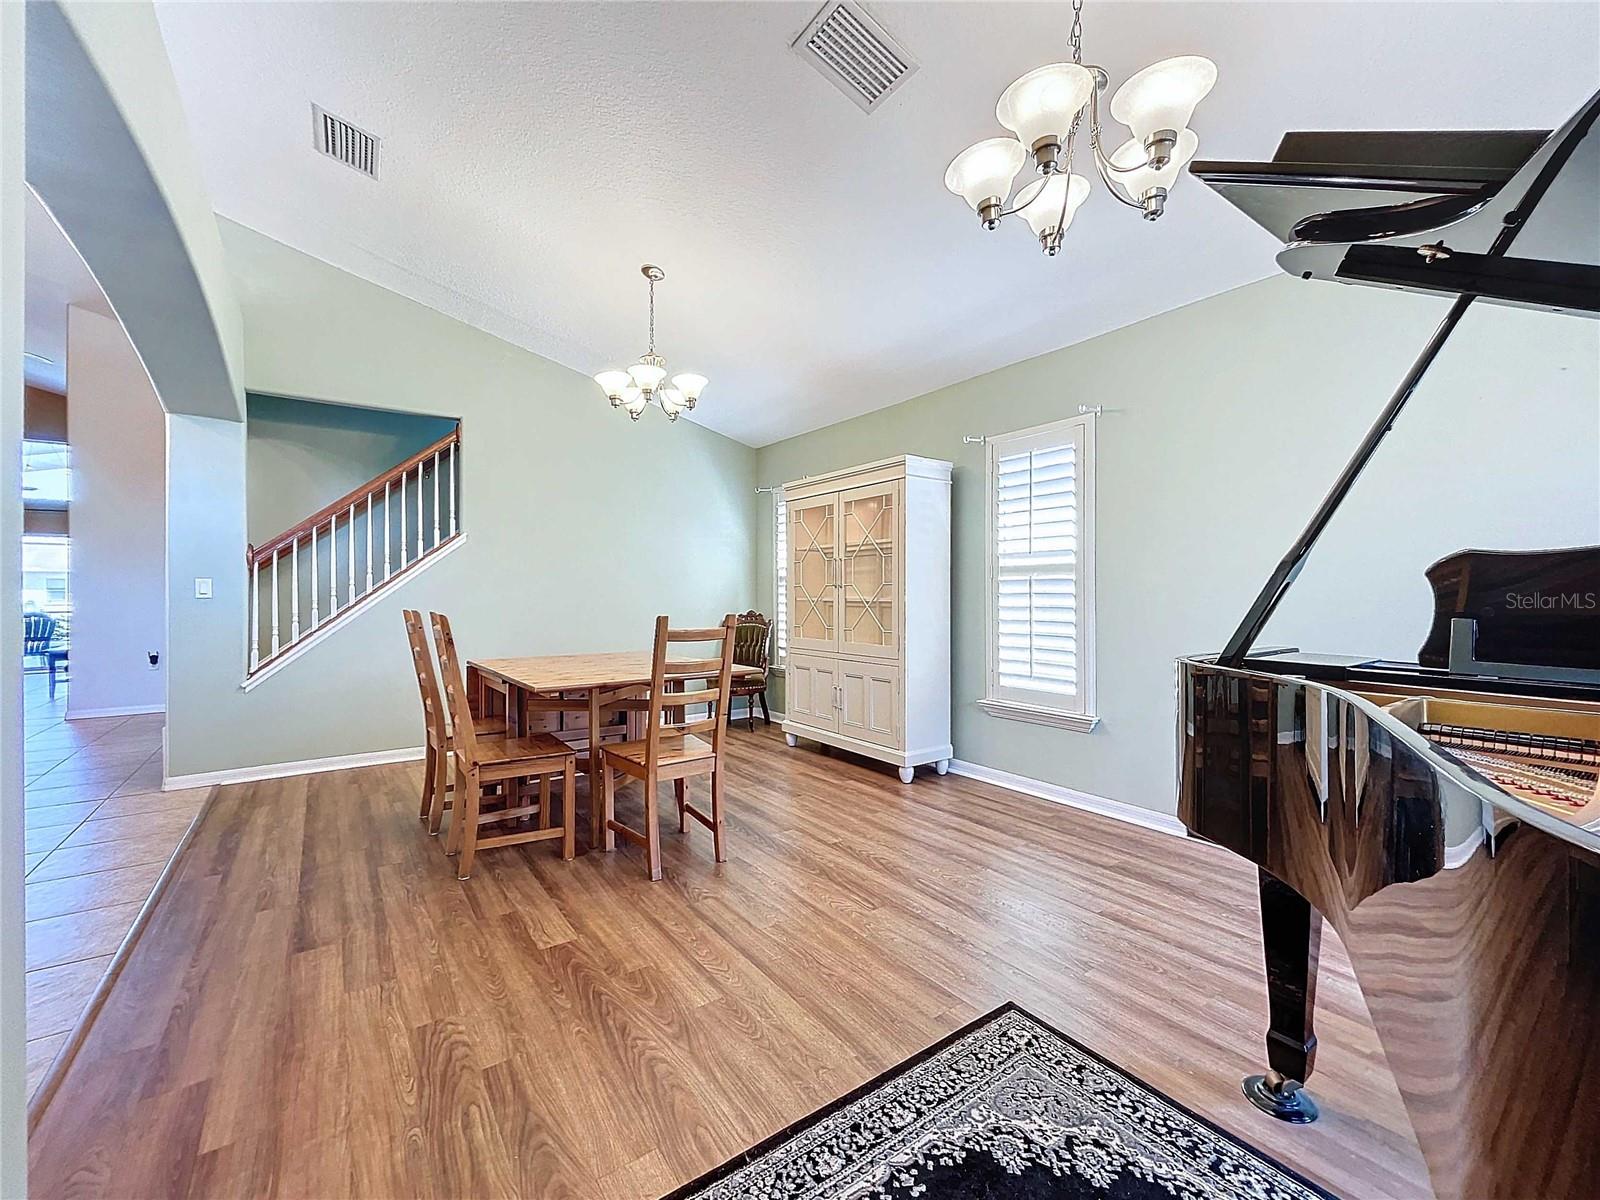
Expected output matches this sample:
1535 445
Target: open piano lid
1509 218
1427 212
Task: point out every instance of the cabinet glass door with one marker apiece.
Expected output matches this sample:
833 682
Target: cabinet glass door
813 563
869 571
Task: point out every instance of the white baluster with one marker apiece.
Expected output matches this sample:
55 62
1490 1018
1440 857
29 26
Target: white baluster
275 624
294 591
255 615
313 577
350 549
402 521
333 564
419 510
454 449
386 515
436 497
369 540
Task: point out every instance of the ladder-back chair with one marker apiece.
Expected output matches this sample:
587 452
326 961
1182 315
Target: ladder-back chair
483 761
436 724
673 747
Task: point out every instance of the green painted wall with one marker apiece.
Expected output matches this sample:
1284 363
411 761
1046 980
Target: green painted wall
581 526
1229 419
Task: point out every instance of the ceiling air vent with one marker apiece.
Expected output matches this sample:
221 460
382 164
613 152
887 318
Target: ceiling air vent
855 53
339 139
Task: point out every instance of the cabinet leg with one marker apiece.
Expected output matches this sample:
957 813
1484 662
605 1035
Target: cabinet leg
791 739
907 774
1291 933
942 766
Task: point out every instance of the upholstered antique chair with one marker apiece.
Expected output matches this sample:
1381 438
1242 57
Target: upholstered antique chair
752 638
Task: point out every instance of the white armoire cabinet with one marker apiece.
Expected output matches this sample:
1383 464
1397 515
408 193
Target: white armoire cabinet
869 611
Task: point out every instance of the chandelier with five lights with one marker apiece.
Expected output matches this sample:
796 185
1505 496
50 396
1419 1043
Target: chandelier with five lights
640 385
1045 110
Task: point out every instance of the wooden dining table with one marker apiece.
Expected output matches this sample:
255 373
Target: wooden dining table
578 682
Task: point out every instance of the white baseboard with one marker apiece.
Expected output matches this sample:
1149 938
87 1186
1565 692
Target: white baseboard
736 717
307 766
1071 797
132 710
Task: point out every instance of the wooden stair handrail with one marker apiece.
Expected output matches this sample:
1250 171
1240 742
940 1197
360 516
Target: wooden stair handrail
263 553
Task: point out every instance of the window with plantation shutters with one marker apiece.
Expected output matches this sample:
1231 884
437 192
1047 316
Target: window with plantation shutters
1041 619
780 562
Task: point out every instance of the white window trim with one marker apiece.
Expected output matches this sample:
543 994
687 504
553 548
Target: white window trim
780 583
1077 712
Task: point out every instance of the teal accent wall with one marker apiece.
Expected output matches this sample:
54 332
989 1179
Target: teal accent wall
1228 420
302 455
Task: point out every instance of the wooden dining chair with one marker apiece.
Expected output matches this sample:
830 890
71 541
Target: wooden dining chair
484 761
672 746
436 725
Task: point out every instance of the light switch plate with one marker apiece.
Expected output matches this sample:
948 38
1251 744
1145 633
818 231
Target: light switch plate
202 589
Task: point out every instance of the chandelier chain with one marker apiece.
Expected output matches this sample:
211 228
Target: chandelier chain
652 316
1075 39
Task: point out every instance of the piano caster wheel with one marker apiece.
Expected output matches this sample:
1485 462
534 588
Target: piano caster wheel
1282 1098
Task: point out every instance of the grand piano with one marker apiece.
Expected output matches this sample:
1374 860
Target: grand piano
1444 814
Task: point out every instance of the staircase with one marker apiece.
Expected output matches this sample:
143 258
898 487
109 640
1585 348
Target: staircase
312 576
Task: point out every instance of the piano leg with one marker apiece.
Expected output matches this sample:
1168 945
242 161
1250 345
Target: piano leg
1291 933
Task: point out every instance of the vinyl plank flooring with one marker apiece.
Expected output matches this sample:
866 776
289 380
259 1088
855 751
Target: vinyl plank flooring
318 1007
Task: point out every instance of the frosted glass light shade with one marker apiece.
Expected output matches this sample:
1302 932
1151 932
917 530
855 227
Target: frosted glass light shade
1040 202
671 399
1163 96
1132 153
612 382
690 385
633 400
646 375
1043 102
985 170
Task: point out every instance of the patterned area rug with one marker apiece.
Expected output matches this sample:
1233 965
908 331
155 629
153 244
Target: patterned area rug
1005 1109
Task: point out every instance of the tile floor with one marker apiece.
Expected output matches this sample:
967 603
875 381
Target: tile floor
99 832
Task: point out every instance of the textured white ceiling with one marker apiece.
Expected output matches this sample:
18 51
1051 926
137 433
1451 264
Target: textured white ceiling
535 154
55 278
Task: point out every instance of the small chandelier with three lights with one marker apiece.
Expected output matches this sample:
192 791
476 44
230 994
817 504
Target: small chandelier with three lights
1044 111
